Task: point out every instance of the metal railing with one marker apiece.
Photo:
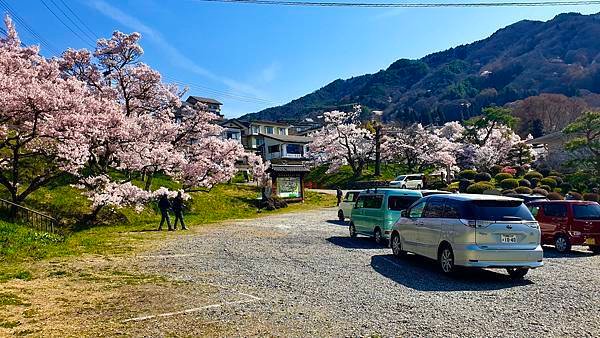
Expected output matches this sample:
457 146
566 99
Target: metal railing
35 219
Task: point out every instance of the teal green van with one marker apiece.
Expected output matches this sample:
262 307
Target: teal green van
377 210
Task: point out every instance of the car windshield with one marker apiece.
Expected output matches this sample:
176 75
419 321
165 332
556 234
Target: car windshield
400 178
586 211
401 202
490 210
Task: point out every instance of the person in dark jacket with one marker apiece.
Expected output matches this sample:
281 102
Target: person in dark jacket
339 195
164 205
178 210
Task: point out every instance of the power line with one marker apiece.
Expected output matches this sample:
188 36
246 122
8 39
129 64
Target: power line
221 93
408 4
90 37
79 19
64 24
43 42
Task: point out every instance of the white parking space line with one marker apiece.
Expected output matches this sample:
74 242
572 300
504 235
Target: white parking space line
168 256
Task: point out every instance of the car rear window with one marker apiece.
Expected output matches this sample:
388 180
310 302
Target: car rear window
490 210
401 202
586 211
555 210
369 202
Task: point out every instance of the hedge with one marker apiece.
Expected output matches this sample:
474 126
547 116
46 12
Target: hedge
540 191
467 174
480 187
524 183
524 190
546 187
509 183
502 176
591 197
533 174
554 196
549 182
483 177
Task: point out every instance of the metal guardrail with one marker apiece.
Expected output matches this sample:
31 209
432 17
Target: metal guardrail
31 217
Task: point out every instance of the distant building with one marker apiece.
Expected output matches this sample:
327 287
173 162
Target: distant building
284 148
212 105
550 149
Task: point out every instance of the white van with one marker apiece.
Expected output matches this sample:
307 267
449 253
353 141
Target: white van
413 181
345 207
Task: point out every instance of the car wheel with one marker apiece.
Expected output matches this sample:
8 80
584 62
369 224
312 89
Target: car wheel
517 273
397 246
404 186
418 187
446 259
378 236
562 244
341 215
352 230
595 249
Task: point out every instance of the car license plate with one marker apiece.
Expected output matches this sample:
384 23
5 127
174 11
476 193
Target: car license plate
590 241
509 238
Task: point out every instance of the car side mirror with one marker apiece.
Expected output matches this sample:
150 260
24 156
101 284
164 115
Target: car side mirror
404 213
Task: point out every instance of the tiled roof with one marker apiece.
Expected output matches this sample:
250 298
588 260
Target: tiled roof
289 138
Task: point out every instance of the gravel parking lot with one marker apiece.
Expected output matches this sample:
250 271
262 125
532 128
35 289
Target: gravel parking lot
301 275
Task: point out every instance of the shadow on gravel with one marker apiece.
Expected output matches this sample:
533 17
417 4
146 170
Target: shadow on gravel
354 243
338 222
422 274
550 252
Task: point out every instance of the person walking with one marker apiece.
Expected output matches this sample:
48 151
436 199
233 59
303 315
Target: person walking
178 211
339 195
164 205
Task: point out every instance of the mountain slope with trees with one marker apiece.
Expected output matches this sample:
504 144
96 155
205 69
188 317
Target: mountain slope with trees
522 60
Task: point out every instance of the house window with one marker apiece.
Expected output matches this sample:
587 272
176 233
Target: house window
269 130
255 129
295 149
274 149
232 135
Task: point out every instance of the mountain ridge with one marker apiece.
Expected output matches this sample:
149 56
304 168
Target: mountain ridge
524 59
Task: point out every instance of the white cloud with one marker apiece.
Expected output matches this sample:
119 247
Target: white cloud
176 57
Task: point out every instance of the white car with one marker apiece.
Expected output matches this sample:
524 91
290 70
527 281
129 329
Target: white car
345 207
414 181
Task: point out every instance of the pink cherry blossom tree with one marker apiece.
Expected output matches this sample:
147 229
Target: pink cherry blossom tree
343 141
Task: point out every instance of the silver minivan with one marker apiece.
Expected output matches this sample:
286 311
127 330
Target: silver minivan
481 231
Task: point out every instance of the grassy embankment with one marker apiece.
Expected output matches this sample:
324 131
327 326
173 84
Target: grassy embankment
344 177
124 230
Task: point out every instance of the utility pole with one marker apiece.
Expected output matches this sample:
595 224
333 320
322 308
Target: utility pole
377 124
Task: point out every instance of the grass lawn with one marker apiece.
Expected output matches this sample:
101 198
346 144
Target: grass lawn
128 230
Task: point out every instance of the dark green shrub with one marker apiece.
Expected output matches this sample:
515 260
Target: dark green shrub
544 171
524 183
520 171
546 187
566 187
483 177
554 196
509 192
524 190
437 185
502 176
509 183
495 170
540 191
574 195
554 173
591 197
467 174
534 182
549 182
480 188
463 184
533 174
558 180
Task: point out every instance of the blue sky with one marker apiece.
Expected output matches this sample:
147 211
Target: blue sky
252 57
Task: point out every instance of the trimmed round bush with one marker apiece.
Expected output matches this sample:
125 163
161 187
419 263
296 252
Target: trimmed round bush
524 190
566 187
463 184
558 180
549 182
533 174
540 191
524 183
467 174
483 177
554 196
591 197
509 192
495 170
534 182
509 183
544 171
502 176
480 188
546 187
520 171
575 196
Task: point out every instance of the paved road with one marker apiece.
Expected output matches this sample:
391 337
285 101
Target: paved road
300 275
